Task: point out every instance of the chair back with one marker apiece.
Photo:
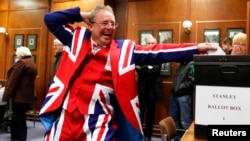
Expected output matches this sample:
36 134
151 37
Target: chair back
167 128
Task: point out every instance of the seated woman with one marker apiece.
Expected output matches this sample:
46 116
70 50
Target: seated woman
239 44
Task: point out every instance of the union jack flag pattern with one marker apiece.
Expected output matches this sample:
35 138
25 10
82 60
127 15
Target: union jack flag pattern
123 74
127 93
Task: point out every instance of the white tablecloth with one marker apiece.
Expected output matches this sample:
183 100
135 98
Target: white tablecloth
1 97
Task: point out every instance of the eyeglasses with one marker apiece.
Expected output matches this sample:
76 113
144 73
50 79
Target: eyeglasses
238 44
107 24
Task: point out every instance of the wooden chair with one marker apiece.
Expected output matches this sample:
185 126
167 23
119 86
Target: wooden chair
167 129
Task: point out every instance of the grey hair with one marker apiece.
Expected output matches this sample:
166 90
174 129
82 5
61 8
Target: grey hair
22 52
97 9
56 41
149 37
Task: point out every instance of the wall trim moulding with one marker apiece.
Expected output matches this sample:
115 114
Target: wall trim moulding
218 21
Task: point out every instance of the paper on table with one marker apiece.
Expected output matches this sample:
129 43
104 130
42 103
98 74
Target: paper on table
219 50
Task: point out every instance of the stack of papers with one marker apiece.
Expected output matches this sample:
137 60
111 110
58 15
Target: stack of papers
219 50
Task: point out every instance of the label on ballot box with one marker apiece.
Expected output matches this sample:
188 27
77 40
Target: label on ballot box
222 105
222 86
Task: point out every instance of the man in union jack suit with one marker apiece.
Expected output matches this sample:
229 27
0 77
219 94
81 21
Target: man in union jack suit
93 96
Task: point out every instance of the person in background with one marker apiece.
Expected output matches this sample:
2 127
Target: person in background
58 48
239 44
2 107
20 87
94 95
226 45
149 90
182 88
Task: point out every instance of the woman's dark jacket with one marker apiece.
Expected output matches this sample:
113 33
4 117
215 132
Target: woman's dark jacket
20 84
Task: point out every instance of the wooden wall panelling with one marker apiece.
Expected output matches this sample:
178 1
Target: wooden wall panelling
120 10
203 10
85 5
171 8
4 5
27 4
217 12
149 12
3 41
223 25
248 26
81 2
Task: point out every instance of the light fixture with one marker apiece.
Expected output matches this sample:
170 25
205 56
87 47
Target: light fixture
3 31
187 24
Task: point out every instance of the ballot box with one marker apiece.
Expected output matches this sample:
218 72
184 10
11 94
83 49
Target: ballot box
222 91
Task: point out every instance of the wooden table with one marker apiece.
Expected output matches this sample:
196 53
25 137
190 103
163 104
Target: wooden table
189 135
